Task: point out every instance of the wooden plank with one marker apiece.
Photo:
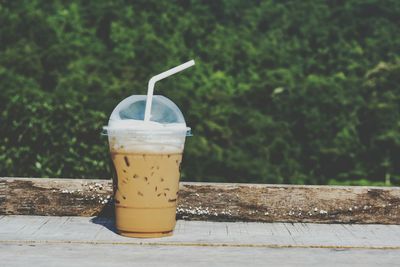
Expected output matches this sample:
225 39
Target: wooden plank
210 201
66 255
87 241
95 230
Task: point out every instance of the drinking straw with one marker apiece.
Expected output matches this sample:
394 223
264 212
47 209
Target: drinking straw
154 79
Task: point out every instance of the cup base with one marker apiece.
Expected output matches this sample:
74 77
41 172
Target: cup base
145 235
145 222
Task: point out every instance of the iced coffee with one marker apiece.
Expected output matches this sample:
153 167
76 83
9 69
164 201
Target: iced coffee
146 192
146 137
147 158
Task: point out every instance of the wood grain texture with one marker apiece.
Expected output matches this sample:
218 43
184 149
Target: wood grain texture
210 201
95 230
106 255
87 241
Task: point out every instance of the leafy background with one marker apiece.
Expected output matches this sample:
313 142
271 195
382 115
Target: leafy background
304 92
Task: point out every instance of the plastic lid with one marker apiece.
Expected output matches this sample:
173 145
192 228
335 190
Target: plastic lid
129 115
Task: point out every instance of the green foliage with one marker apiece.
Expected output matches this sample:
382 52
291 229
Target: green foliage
282 92
360 182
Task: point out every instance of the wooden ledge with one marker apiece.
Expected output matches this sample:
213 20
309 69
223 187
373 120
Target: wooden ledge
210 201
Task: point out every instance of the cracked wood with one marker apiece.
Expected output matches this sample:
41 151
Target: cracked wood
210 201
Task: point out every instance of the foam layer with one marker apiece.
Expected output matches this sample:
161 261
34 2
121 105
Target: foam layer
130 124
135 136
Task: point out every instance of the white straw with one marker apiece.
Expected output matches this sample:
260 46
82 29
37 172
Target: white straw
154 79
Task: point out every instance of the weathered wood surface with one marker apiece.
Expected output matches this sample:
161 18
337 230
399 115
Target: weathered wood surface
88 241
211 201
96 230
106 255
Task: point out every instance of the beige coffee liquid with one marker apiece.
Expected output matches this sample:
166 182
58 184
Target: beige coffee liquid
146 193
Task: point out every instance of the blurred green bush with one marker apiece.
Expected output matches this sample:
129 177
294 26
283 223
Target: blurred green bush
282 92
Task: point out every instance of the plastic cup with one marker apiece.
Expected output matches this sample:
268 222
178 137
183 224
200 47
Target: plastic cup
147 158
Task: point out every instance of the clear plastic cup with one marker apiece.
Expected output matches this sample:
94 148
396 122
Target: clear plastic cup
147 158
